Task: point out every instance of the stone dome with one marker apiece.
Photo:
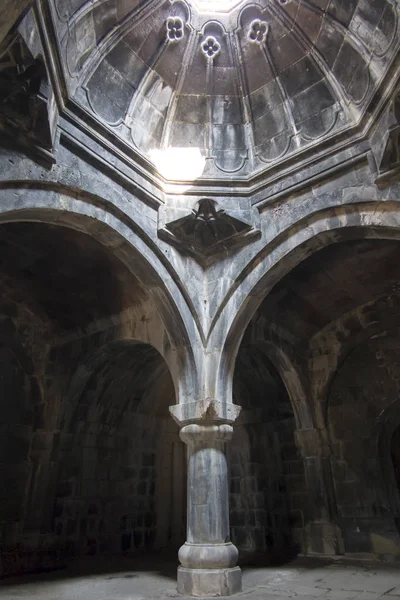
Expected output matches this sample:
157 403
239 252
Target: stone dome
227 93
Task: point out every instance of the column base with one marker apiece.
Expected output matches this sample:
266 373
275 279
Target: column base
209 582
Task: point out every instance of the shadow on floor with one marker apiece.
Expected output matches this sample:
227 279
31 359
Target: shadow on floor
274 558
163 564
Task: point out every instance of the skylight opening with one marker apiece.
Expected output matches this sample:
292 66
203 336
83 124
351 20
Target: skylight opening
216 6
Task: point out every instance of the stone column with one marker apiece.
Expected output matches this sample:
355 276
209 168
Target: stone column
322 534
208 558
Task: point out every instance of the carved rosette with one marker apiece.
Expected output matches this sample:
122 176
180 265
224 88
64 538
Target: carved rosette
175 29
210 47
206 229
258 32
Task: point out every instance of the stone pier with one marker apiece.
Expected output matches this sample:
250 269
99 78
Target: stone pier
208 557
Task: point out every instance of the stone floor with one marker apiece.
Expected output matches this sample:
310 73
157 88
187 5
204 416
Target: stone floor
154 579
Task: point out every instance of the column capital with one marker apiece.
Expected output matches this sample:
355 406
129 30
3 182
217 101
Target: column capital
204 412
206 433
312 442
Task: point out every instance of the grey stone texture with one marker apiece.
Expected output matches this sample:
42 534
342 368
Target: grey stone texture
239 92
141 579
199 308
208 558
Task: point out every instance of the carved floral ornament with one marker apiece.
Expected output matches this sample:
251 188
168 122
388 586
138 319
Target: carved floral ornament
175 29
207 229
258 32
210 47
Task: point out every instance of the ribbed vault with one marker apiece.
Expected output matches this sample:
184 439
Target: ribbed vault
225 94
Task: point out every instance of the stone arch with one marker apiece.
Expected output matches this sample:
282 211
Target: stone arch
87 369
117 446
121 238
125 239
276 351
376 220
355 338
292 382
268 487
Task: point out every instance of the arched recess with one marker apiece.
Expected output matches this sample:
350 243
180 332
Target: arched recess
120 463
126 241
367 220
291 374
291 303
338 340
268 493
74 281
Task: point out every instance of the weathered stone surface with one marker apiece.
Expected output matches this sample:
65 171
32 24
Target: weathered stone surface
209 582
28 111
204 411
389 159
229 98
208 559
208 230
246 275
11 12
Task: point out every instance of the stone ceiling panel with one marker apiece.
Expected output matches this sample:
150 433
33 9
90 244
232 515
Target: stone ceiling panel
226 94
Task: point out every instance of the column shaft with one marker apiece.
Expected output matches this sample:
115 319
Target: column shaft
208 505
208 558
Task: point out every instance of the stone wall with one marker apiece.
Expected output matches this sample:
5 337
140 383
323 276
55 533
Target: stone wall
88 451
268 495
25 446
365 385
115 458
107 487
90 468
